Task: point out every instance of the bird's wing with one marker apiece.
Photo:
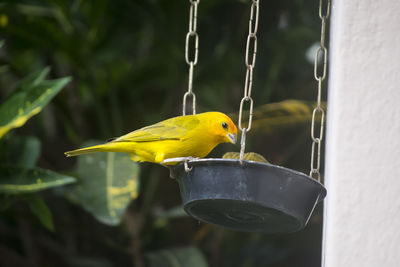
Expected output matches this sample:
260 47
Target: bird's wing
172 129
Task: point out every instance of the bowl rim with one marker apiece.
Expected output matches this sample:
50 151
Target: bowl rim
236 162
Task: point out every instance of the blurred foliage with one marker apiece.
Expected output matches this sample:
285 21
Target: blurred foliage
108 183
127 69
18 175
177 257
276 117
16 179
28 100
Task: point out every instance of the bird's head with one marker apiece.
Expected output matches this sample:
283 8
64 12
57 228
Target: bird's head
223 128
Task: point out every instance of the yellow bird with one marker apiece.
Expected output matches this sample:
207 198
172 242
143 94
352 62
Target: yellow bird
183 136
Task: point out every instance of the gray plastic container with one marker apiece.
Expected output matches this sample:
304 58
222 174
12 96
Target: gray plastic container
251 197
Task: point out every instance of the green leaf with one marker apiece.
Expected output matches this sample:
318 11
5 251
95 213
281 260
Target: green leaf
21 151
177 257
32 80
163 216
28 100
29 152
108 183
40 209
274 117
173 213
16 179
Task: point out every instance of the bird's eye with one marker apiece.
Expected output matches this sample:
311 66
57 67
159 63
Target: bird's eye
225 125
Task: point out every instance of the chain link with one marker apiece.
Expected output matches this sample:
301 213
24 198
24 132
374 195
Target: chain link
250 64
321 52
193 36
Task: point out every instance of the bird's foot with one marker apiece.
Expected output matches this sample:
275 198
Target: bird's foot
179 159
185 161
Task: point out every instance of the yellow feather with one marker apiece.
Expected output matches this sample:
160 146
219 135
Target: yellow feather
183 136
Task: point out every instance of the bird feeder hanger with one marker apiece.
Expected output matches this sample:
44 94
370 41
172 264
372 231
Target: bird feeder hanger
246 195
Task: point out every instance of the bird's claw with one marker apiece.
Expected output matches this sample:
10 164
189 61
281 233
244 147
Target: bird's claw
179 159
185 161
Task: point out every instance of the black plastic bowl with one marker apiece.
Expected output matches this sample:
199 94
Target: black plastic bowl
251 197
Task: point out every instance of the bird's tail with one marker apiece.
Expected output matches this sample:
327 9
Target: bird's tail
86 150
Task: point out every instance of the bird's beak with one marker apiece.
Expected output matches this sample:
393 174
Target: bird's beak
232 138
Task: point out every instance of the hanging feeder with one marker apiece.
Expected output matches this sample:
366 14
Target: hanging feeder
247 195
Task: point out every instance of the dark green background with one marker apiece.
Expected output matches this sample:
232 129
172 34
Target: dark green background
126 60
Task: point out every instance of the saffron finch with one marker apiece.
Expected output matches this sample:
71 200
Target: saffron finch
183 136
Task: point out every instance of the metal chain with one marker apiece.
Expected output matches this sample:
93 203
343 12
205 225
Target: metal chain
321 51
250 62
193 60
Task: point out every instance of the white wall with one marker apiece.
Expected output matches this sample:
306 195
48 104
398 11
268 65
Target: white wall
362 222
